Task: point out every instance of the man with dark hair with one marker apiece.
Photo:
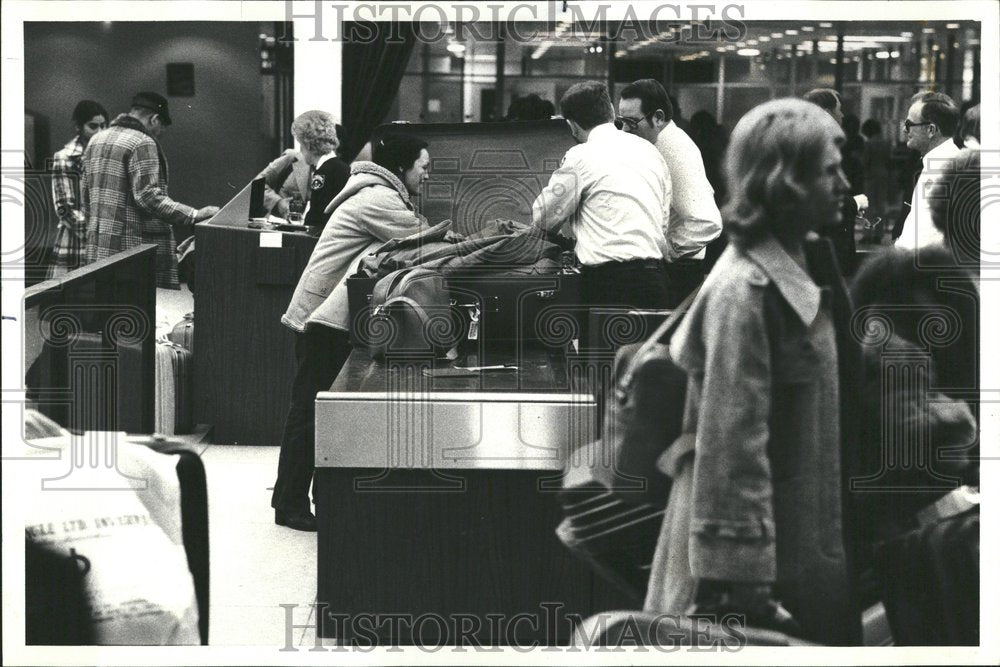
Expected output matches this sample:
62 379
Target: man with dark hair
929 127
614 189
126 207
646 111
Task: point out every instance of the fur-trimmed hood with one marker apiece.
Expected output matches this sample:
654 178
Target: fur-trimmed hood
367 174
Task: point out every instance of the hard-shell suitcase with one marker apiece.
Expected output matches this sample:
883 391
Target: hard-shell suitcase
174 376
183 333
480 173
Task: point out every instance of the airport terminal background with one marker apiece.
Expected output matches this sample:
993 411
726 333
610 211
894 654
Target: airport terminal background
233 99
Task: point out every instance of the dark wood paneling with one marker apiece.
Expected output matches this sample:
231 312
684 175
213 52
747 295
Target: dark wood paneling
245 361
489 548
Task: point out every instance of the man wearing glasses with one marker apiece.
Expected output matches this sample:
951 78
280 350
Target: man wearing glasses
929 127
614 189
645 111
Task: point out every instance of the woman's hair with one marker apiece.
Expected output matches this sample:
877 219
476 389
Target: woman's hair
954 203
969 126
774 150
397 152
826 98
87 109
317 131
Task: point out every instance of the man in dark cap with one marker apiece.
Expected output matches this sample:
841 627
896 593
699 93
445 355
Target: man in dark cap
125 207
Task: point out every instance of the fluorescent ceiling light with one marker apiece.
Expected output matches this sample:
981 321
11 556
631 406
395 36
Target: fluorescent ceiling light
825 24
952 26
748 52
791 31
777 35
882 55
764 38
807 28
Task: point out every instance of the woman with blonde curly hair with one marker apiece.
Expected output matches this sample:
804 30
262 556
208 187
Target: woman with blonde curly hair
754 522
316 133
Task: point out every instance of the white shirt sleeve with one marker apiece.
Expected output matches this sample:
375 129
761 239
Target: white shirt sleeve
561 197
694 220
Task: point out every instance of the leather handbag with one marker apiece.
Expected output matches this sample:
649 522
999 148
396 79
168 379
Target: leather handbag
411 314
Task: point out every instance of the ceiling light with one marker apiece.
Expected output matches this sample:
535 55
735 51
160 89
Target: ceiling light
833 61
892 39
621 54
894 54
599 49
906 34
791 31
456 48
952 26
807 28
777 35
720 49
928 31
826 24
765 38
882 55
748 52
751 42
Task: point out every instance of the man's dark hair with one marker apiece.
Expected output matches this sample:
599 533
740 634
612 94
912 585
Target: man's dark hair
87 109
587 104
871 128
397 152
825 98
941 110
651 95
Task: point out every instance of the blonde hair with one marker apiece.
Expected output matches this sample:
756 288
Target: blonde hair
317 131
774 149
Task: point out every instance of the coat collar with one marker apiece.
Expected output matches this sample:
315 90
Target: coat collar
365 174
794 283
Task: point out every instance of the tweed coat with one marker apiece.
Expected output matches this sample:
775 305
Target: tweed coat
757 473
125 200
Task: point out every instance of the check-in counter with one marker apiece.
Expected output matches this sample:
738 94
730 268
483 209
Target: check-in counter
243 355
436 502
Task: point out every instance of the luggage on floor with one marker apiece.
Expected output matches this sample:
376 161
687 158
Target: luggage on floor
183 333
931 580
174 386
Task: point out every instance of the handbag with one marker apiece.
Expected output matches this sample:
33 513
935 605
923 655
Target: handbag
411 314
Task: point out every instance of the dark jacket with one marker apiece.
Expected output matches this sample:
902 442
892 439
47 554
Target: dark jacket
324 184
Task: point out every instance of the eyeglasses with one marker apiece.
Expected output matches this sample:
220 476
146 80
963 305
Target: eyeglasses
622 122
908 124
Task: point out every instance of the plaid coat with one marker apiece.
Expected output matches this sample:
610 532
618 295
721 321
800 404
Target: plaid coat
124 193
67 253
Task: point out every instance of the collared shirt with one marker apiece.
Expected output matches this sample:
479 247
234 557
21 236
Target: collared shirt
615 192
695 220
919 229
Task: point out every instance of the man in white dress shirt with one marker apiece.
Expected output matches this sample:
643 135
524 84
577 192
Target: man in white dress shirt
644 110
929 126
614 190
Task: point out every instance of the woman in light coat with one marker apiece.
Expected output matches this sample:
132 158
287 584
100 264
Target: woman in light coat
754 522
373 207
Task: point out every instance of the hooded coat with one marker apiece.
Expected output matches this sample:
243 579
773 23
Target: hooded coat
373 208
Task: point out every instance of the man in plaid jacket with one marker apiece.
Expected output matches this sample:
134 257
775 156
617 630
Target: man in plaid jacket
124 189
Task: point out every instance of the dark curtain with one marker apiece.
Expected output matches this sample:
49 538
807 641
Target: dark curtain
375 57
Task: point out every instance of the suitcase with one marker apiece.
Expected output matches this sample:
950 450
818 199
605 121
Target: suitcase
174 375
493 311
481 172
183 333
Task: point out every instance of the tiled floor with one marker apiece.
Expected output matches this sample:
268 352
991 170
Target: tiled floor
256 566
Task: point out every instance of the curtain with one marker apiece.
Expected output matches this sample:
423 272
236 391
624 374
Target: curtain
375 56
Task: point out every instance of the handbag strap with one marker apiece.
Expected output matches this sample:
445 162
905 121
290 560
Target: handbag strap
662 334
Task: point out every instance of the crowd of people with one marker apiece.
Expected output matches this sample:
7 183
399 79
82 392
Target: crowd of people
783 403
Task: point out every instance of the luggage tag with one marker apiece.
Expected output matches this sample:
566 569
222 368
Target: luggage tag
474 314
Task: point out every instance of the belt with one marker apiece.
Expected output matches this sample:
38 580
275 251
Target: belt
636 263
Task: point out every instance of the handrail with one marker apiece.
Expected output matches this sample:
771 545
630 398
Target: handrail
40 292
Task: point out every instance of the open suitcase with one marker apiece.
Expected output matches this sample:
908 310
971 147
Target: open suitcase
482 172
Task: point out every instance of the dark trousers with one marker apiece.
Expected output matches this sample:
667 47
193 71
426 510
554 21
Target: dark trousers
320 353
640 283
